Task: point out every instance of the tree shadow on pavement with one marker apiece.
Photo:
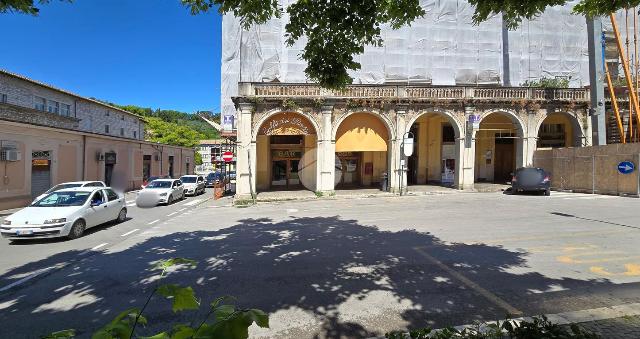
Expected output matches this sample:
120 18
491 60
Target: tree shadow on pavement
328 277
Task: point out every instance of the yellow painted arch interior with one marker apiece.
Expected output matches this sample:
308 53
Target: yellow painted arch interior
362 132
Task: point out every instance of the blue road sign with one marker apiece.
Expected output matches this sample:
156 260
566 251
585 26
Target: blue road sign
626 167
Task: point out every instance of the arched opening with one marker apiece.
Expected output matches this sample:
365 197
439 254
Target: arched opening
499 148
559 130
362 148
286 153
435 153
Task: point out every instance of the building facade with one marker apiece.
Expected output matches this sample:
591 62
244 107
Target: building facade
210 152
297 136
49 136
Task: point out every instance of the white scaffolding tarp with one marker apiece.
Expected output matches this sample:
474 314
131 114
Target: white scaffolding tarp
442 48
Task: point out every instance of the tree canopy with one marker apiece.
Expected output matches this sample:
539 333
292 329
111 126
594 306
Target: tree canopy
338 30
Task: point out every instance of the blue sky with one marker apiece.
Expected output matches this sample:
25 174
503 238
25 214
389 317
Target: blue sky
151 53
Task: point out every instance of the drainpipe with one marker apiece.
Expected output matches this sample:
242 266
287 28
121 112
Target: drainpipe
84 157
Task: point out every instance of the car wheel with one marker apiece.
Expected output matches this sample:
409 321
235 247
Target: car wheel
547 192
122 216
77 229
170 199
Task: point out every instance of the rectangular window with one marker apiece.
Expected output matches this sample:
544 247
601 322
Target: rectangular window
106 129
135 135
3 97
121 131
53 106
106 113
39 103
122 117
65 110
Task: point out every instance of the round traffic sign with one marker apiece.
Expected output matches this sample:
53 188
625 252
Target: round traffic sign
626 167
227 156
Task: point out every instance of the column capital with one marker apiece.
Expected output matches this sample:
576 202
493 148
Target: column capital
327 108
469 110
401 109
246 107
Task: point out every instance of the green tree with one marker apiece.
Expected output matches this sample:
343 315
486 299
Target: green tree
338 30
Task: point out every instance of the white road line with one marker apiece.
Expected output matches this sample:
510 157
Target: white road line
183 209
130 232
101 245
192 202
170 214
153 222
31 276
131 204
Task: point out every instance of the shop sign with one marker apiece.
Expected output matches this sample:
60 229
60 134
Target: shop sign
39 162
286 126
286 154
110 158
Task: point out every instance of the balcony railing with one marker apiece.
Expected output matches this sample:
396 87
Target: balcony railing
271 90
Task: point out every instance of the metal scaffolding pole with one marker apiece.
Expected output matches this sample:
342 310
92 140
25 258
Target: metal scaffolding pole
596 79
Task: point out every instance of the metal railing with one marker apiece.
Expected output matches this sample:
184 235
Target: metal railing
415 92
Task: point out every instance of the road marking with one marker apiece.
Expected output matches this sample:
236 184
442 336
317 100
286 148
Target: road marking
99 246
131 204
183 209
483 292
153 222
170 214
31 276
192 202
130 232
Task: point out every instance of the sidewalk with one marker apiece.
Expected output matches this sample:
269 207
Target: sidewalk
626 327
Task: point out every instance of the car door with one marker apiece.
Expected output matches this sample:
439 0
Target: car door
114 203
178 189
96 212
200 183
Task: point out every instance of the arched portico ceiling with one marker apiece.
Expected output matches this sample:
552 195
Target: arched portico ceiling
285 123
362 132
518 124
388 124
577 131
437 112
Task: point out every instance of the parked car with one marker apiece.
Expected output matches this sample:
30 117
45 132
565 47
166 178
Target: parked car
160 191
71 184
232 175
66 213
193 184
530 179
145 182
214 177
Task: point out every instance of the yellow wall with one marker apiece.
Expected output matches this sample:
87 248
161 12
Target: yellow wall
263 159
362 132
379 160
429 147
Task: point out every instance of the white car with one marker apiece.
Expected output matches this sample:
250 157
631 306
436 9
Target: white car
160 191
193 184
65 213
71 184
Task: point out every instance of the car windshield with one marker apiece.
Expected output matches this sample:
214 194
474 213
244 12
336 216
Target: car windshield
188 180
211 176
62 199
159 184
62 186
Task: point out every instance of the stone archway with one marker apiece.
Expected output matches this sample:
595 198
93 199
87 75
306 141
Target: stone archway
559 129
437 156
499 146
286 151
362 146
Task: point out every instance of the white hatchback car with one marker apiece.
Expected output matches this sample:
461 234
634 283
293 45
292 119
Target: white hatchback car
160 191
193 184
71 184
65 213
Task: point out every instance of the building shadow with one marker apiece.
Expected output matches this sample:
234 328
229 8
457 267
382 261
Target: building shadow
348 277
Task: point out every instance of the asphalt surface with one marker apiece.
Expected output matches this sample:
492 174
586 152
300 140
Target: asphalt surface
341 268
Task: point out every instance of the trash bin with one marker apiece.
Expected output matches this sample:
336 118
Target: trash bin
218 190
383 182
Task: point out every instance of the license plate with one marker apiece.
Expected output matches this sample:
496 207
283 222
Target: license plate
24 232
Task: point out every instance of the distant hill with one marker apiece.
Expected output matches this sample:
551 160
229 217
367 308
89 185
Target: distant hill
174 127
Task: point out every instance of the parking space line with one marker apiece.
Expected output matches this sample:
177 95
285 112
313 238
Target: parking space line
131 204
192 202
99 246
170 214
182 209
477 288
130 232
153 222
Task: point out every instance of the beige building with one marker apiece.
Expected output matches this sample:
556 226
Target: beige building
297 136
73 138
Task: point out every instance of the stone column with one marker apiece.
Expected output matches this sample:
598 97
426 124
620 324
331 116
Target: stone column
530 138
326 153
465 171
246 153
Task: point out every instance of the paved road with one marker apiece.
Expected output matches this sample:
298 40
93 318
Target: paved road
357 267
22 257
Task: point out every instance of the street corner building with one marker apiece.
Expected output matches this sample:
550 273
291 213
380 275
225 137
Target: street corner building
460 91
49 136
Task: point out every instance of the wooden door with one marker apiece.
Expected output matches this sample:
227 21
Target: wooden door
504 160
